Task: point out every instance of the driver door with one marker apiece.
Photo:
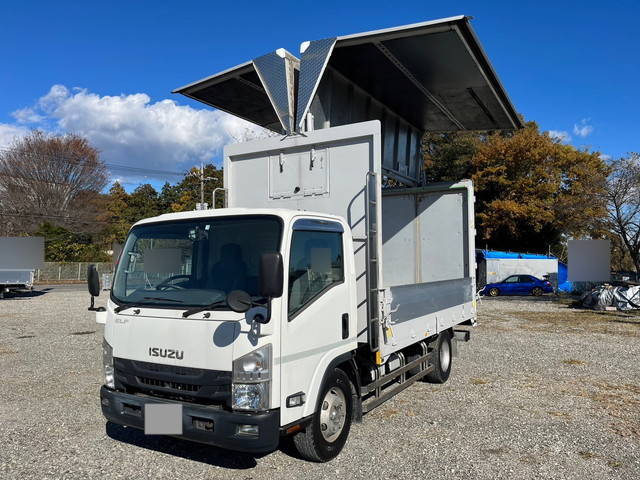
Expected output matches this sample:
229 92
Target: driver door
320 320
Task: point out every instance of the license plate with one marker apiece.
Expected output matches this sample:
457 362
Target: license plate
162 419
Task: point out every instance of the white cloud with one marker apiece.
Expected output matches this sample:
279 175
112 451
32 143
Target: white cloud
560 135
9 133
134 131
605 157
27 115
583 129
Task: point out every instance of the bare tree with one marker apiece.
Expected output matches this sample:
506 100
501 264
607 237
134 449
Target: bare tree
623 198
51 178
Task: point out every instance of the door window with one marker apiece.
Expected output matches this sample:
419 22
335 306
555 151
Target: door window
511 279
316 264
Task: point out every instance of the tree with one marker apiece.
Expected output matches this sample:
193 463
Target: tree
186 194
623 201
62 245
116 216
44 175
531 190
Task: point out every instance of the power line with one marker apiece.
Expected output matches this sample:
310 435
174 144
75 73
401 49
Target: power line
112 165
64 217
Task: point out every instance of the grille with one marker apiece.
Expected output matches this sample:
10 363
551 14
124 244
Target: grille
174 369
183 387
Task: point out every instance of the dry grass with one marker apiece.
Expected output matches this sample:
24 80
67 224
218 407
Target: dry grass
566 320
573 361
479 381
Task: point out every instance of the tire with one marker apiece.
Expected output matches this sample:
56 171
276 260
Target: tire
442 359
537 291
494 292
335 411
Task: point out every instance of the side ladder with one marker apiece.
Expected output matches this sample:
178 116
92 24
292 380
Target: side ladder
372 227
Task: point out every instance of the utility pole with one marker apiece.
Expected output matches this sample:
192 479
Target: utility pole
202 180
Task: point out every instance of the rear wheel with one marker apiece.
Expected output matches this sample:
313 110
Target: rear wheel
537 291
326 435
494 292
441 359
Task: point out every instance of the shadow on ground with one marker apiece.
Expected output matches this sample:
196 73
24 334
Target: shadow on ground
528 298
25 294
182 448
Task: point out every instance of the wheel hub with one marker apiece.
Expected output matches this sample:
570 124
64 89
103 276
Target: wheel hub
332 414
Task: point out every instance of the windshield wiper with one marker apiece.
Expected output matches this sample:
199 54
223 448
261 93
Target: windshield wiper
163 299
124 306
193 310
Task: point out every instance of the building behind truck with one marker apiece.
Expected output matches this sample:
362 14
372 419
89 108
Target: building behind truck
320 290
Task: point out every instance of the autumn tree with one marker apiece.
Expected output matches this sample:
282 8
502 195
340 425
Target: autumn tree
184 195
623 202
45 176
531 190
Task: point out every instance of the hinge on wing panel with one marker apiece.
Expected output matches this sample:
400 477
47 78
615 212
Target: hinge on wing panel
281 160
313 158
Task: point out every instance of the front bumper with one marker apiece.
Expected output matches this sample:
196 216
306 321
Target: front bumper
127 409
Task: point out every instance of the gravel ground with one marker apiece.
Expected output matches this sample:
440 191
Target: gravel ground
541 391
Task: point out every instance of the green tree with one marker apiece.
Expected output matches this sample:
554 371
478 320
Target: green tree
62 245
116 215
143 202
187 193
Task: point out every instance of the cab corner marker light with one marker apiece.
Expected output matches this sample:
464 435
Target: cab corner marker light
378 358
295 400
294 429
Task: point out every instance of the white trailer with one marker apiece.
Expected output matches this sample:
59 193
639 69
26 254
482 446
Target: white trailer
19 258
318 291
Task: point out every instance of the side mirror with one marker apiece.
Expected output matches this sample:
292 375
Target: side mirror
271 275
93 280
93 284
239 301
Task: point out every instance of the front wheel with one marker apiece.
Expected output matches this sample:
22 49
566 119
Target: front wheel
441 359
494 292
327 433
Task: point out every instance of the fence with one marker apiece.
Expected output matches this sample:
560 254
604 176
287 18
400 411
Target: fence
69 271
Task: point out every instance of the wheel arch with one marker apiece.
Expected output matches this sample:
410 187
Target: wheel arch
346 362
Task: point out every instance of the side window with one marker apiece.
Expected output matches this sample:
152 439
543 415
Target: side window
316 264
511 279
525 279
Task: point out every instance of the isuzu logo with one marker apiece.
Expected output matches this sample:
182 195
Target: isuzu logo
166 353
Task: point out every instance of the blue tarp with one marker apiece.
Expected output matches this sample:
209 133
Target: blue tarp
498 254
564 284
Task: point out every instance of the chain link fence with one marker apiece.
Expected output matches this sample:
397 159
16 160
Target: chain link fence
69 271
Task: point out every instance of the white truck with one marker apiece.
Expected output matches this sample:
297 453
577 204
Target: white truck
319 291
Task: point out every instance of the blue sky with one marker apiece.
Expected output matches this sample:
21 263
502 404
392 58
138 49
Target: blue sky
106 69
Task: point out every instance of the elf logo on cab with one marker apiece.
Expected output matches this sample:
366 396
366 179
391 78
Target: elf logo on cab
166 353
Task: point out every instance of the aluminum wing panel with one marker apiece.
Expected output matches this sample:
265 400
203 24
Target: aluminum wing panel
277 73
312 67
241 92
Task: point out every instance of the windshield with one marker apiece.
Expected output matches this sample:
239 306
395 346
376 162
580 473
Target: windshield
194 263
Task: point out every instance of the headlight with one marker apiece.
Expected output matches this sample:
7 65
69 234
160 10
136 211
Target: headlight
107 362
252 380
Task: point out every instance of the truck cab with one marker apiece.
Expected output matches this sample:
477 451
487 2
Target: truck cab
236 314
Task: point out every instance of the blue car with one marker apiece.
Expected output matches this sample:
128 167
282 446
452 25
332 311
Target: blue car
518 285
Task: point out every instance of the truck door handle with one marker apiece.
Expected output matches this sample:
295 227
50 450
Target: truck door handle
345 325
